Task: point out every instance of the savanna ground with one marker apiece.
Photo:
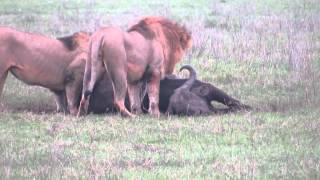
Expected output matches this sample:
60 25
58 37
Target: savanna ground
264 52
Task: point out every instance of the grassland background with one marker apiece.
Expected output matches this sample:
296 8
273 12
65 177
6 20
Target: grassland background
264 52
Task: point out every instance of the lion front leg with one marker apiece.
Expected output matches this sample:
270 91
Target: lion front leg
73 92
3 76
61 101
153 92
74 85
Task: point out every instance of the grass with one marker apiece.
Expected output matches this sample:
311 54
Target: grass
265 53
265 145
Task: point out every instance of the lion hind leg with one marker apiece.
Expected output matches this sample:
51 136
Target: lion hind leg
119 80
120 94
122 108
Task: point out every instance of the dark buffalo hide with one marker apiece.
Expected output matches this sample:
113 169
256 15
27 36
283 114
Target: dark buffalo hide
101 100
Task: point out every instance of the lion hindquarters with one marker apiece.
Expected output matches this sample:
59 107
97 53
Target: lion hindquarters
113 56
94 69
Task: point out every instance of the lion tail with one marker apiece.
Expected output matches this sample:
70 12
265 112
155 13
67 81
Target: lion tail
94 58
91 74
192 78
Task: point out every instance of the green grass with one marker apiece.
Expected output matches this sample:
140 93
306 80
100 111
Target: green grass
265 145
262 52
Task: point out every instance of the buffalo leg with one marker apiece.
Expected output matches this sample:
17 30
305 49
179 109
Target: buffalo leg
170 109
222 97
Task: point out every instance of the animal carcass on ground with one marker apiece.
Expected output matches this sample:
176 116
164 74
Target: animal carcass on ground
148 50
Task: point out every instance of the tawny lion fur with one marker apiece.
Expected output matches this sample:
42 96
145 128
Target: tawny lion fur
147 51
47 62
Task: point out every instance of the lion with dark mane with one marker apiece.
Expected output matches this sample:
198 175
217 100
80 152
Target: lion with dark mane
56 64
147 52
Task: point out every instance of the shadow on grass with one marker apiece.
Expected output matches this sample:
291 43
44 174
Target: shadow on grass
36 108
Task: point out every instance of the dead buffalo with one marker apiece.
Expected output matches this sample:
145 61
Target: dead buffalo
185 102
102 98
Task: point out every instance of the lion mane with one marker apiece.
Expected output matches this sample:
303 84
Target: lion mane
174 38
78 39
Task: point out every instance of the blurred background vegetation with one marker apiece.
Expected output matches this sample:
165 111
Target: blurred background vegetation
264 52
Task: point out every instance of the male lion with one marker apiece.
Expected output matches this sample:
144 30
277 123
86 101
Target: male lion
146 52
50 63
